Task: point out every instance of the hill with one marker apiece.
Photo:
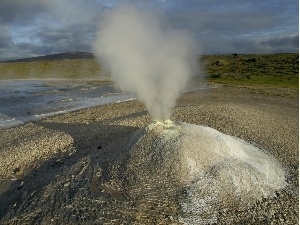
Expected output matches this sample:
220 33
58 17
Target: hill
70 65
66 55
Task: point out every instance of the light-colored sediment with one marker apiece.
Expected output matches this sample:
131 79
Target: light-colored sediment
221 171
103 182
208 170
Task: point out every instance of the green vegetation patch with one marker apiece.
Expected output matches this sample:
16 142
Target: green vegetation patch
270 70
56 69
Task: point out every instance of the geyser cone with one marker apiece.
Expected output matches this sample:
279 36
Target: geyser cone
209 169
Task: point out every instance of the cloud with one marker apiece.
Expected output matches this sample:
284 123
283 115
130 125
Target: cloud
5 37
280 43
69 38
238 26
22 12
47 27
36 27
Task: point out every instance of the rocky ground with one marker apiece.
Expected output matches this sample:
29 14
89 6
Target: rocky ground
76 168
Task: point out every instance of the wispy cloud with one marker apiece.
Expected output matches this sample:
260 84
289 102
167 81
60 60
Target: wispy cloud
46 27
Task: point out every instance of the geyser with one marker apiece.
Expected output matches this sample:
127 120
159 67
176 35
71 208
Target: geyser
201 168
146 56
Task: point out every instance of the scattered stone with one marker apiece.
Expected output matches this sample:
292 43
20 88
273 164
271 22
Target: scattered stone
21 185
20 174
251 60
16 170
73 218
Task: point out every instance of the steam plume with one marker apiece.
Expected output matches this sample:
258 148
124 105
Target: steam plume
146 56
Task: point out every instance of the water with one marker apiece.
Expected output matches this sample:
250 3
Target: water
23 101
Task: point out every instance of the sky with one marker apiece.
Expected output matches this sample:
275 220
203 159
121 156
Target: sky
40 27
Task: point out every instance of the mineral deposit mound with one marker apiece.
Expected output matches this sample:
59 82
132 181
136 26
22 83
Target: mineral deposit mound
200 168
165 173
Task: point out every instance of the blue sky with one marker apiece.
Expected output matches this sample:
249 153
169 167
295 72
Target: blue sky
40 27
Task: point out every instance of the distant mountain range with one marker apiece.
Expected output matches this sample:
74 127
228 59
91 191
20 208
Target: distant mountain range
66 55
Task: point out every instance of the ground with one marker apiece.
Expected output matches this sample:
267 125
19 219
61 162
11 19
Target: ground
64 169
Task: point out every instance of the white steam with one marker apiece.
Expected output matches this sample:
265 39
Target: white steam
146 57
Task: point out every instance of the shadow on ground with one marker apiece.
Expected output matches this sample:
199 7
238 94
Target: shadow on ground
71 188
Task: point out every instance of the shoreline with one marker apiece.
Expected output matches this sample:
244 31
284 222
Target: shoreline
36 100
264 116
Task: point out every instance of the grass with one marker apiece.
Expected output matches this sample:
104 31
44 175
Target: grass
62 69
269 70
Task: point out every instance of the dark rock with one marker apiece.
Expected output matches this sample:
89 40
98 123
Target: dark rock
16 170
251 60
73 218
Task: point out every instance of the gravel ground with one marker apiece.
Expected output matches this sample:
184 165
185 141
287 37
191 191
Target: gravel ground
75 168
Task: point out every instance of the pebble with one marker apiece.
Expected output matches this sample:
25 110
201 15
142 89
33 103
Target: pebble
231 111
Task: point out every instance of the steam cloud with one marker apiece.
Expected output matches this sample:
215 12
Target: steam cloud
146 56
